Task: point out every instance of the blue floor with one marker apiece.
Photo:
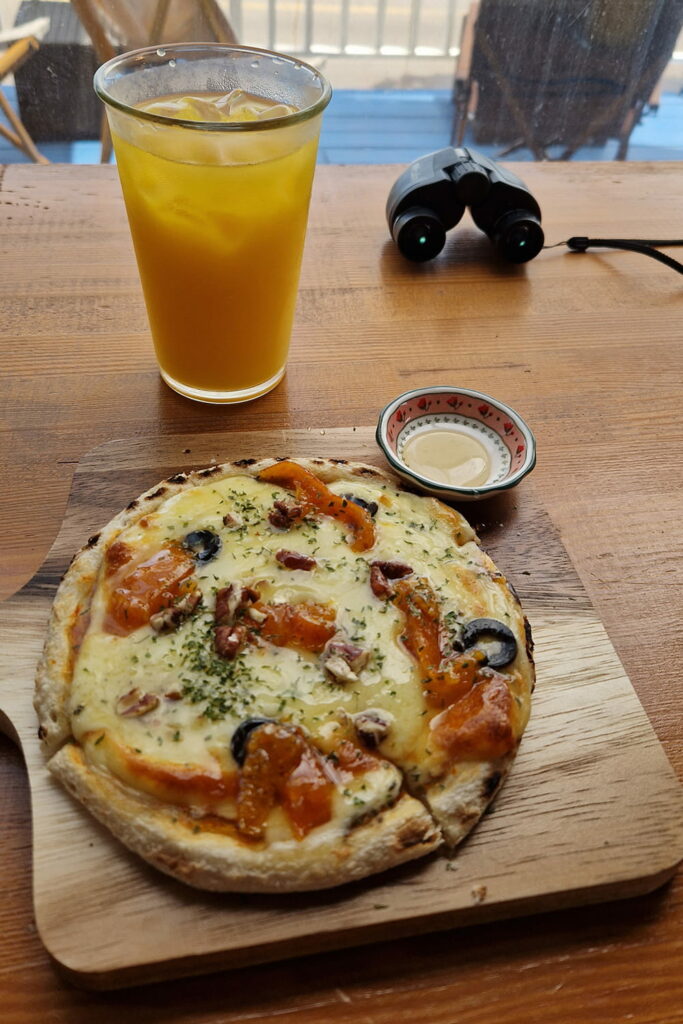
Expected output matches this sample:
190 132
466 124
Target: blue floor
391 126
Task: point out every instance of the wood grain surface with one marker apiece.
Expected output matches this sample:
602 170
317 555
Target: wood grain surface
570 827
587 348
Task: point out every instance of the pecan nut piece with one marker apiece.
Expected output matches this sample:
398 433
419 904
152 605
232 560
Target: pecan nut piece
229 640
232 600
344 660
168 619
372 725
382 572
340 670
394 570
283 515
379 584
295 560
135 703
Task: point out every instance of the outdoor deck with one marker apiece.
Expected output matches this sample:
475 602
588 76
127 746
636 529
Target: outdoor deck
397 126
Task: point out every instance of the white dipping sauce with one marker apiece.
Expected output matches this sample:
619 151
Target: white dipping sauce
448 457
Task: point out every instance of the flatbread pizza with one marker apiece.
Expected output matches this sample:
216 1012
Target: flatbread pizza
282 675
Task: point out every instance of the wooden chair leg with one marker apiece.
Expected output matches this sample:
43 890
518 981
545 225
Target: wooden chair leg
517 114
11 137
624 137
158 22
27 144
105 139
220 26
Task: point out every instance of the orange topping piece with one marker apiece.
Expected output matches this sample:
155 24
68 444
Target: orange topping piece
479 725
444 682
308 626
455 680
282 767
317 497
149 587
307 794
116 556
417 601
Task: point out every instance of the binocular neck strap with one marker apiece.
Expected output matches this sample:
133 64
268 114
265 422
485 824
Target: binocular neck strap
646 246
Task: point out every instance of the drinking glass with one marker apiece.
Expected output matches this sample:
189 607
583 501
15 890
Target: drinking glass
217 208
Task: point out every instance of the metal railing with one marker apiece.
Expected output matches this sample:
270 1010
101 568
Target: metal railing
358 28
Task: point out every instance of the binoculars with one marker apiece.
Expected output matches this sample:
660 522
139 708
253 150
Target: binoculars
430 197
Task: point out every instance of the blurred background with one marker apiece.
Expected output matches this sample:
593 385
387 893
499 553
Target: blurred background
524 79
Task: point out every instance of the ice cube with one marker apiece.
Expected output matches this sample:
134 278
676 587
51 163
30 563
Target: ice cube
275 110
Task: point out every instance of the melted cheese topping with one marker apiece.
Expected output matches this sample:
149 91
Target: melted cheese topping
203 697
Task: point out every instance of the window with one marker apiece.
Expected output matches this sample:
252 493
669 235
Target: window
523 79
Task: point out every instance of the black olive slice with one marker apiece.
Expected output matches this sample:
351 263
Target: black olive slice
501 651
369 506
203 544
240 738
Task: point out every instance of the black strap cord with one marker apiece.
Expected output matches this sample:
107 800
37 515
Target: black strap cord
580 243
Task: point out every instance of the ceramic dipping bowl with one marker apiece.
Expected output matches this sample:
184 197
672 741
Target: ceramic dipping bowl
509 447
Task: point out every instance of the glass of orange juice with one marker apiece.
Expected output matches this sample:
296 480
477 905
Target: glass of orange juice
216 147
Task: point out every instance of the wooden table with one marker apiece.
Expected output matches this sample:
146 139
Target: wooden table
588 348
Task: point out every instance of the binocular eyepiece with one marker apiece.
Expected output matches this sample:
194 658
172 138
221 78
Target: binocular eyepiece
431 196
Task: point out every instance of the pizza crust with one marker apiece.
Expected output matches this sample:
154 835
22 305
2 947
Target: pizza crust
326 857
323 859
458 801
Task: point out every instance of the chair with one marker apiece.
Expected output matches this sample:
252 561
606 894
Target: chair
115 26
23 43
541 73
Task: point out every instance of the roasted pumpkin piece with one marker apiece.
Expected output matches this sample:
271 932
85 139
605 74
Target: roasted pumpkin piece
315 496
154 584
417 601
282 768
308 626
444 681
479 725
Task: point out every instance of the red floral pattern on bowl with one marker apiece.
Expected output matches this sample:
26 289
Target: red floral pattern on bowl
500 428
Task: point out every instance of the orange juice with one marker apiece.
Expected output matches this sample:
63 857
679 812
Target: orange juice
218 224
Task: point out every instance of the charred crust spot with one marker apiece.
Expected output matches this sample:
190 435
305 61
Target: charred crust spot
209 471
92 541
42 732
466 819
491 784
133 504
529 640
245 462
155 494
412 834
282 458
514 593
339 462
177 478
365 471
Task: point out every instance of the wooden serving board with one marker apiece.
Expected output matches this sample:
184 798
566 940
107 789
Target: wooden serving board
592 809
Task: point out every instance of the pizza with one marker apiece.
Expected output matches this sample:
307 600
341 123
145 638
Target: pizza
281 675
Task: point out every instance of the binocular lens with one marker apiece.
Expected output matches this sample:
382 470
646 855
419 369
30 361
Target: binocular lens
519 236
419 234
